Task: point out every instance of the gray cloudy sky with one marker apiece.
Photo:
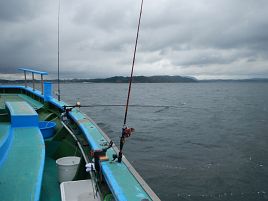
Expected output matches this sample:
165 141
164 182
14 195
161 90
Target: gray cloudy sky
204 38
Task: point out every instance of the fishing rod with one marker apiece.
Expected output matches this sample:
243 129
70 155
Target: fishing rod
126 132
58 52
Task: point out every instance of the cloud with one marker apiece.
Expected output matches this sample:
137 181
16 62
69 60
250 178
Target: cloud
203 38
19 11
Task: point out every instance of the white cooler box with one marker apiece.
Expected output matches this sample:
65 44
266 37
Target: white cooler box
77 191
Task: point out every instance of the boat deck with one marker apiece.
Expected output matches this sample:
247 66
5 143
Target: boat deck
5 140
4 128
22 171
19 97
50 186
22 164
123 181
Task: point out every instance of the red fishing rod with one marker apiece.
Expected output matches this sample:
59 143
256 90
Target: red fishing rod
126 132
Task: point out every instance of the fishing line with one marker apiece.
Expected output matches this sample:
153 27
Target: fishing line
120 105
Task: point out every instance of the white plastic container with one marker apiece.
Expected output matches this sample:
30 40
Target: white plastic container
78 191
67 168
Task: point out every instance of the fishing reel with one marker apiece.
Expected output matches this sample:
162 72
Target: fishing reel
126 132
67 109
100 155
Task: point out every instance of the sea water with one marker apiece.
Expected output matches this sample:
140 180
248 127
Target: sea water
193 141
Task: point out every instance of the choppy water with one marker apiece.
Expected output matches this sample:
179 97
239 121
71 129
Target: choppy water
209 141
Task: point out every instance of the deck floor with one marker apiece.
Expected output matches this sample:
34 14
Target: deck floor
18 97
50 187
21 169
20 156
4 127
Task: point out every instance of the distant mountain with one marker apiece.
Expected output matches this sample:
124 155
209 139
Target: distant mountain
236 80
144 79
11 81
121 79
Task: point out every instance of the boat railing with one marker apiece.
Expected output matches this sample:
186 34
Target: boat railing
33 72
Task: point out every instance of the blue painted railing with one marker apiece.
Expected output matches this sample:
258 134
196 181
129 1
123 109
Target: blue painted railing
41 73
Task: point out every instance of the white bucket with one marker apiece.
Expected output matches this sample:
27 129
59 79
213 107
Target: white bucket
67 167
